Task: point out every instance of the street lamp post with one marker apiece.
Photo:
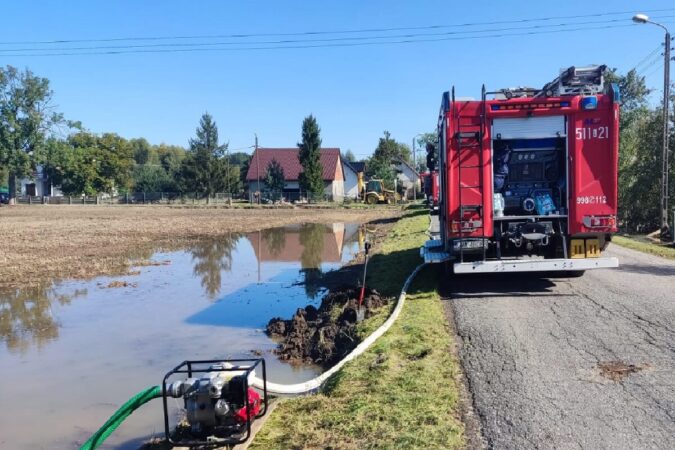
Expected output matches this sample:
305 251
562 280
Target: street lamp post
663 210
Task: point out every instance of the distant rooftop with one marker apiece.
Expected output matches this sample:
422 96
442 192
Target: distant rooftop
288 160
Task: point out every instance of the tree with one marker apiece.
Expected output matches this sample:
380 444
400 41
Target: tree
311 178
349 156
425 142
388 153
85 163
274 179
204 171
114 157
144 153
241 161
153 178
639 154
56 158
170 158
26 116
390 150
79 175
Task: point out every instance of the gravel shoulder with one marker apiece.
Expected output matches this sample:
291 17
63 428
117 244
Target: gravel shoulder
571 363
43 243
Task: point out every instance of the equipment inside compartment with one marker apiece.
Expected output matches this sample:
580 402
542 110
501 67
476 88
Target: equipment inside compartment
530 175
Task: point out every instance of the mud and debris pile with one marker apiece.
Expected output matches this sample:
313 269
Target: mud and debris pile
325 335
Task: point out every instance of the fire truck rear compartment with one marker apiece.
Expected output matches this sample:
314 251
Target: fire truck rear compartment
531 197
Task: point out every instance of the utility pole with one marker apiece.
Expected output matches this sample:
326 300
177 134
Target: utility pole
663 209
666 123
257 164
227 172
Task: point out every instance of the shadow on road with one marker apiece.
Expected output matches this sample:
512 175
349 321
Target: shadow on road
663 271
498 285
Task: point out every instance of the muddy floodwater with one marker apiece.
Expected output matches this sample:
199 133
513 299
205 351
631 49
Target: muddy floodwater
71 353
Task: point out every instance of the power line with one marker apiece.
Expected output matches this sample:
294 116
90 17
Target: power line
324 32
657 67
308 41
64 52
657 60
649 55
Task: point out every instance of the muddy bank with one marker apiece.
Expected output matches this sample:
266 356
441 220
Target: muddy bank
43 243
325 335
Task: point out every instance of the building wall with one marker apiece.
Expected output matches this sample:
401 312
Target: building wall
351 183
288 185
408 179
335 190
43 187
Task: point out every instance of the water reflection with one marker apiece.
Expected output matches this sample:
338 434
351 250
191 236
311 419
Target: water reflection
26 316
296 255
211 259
290 265
275 240
311 244
312 240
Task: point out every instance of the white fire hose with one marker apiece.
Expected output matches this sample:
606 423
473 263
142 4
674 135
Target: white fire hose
314 384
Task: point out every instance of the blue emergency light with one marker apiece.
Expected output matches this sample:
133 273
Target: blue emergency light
589 102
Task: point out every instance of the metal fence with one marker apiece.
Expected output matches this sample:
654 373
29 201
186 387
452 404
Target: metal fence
168 198
131 198
292 197
60 200
266 197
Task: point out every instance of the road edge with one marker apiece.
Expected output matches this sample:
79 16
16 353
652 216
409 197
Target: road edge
473 428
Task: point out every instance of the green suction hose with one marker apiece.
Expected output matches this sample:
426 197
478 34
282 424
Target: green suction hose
120 415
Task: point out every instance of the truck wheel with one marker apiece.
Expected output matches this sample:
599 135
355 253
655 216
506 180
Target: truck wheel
575 273
449 269
371 199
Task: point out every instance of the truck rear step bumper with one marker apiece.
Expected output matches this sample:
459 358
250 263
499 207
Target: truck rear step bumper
535 265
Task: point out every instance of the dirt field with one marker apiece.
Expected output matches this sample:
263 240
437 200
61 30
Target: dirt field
42 243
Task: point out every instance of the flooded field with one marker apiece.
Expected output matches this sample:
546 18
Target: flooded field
72 352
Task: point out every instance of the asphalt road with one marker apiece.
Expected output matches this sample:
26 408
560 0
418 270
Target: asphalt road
571 362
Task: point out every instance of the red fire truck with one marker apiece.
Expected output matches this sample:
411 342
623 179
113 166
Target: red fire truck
528 177
430 185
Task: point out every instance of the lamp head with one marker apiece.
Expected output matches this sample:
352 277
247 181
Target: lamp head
640 18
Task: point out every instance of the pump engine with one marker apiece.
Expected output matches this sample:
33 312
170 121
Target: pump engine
219 404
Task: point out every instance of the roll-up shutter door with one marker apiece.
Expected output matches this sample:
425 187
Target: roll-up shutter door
528 127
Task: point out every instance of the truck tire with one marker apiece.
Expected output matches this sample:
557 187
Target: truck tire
575 273
371 199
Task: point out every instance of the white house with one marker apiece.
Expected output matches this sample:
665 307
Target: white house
38 184
351 171
407 177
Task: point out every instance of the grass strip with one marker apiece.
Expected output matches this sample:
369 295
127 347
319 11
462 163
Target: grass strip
645 247
402 392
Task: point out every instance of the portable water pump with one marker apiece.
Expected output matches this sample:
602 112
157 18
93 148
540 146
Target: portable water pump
220 406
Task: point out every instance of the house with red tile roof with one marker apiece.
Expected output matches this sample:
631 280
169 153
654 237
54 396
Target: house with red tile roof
331 162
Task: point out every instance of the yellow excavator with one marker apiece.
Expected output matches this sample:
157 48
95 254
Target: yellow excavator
376 193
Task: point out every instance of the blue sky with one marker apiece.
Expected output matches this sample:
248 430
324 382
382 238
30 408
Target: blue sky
355 92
